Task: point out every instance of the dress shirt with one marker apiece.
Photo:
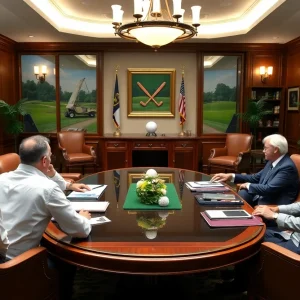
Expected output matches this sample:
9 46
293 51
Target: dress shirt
3 238
28 200
289 219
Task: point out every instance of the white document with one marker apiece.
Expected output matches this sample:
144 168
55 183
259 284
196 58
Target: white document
202 184
94 206
95 192
99 220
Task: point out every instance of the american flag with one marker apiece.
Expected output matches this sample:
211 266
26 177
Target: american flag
116 107
182 112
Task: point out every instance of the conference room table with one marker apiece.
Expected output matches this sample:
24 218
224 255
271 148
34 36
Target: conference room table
162 242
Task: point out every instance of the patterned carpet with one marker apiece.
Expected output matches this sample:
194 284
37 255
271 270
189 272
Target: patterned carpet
105 286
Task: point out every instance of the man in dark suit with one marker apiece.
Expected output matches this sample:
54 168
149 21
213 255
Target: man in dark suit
277 183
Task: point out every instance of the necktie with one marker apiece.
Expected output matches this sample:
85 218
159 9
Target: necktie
256 197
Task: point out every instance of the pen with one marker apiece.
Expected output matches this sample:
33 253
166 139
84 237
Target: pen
97 187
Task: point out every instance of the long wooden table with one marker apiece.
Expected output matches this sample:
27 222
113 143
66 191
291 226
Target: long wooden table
182 243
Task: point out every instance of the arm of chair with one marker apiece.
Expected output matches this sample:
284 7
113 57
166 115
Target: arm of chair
64 152
42 282
277 275
89 150
218 152
243 160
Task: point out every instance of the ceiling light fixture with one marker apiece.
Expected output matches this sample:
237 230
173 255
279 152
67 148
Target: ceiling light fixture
41 78
162 29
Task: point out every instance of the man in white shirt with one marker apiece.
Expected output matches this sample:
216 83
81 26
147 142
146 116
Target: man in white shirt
3 241
29 198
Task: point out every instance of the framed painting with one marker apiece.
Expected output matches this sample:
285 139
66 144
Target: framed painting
293 98
151 92
135 177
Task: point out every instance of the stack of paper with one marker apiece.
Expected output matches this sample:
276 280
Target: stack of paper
206 186
95 192
95 206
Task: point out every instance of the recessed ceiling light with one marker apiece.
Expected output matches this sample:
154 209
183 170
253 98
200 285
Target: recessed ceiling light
31 36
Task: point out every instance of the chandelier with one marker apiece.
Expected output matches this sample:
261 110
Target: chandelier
156 27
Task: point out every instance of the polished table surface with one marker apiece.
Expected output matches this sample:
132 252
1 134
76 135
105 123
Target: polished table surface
179 242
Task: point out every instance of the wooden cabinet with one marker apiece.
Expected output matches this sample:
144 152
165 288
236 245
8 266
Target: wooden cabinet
273 122
115 155
129 151
185 154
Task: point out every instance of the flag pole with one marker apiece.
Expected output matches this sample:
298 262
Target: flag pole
117 132
181 133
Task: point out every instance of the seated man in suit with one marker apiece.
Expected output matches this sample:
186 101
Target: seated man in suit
287 234
277 183
3 241
30 196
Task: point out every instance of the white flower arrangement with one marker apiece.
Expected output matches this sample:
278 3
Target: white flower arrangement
150 188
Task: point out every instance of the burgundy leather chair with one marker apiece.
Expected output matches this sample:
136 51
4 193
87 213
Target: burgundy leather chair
235 156
9 162
74 150
278 271
27 276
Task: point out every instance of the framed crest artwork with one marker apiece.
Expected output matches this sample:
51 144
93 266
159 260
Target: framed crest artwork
151 92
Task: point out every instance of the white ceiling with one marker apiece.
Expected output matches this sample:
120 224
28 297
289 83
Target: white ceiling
18 20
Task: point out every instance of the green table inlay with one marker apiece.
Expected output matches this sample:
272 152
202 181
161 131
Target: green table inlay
132 201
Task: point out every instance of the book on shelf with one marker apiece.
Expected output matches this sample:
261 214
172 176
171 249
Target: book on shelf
218 202
95 206
94 194
255 221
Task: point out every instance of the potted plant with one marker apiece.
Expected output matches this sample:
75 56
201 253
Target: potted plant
10 119
254 114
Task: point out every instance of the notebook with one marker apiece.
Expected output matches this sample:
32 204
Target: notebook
218 202
95 206
94 194
255 221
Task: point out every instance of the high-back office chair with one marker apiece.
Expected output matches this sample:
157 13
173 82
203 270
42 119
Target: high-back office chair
10 161
74 150
27 276
235 156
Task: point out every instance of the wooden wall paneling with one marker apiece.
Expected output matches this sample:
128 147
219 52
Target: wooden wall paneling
200 79
8 87
272 58
292 124
100 94
206 144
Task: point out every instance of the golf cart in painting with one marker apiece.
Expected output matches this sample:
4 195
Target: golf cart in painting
74 110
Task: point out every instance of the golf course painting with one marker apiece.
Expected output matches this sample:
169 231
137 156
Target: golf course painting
151 92
77 106
220 95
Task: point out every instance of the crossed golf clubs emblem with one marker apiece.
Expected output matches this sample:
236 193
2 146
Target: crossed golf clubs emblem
151 96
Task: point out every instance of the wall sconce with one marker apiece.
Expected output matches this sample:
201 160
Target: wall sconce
265 73
41 78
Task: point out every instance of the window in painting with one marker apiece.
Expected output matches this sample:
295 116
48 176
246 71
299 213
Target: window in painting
40 94
78 101
220 93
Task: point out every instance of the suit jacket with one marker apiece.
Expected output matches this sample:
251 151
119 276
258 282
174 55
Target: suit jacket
277 186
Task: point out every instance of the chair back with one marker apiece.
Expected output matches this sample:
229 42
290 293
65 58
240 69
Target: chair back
296 159
72 141
9 162
238 142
